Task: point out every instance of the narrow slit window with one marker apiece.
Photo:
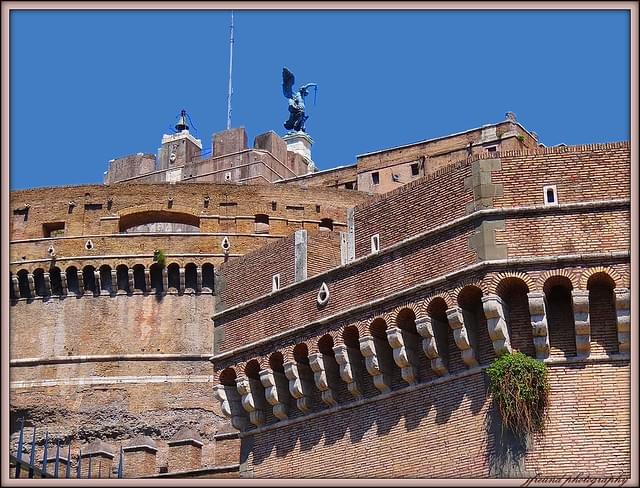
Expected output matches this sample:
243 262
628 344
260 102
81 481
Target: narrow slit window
550 195
275 282
375 178
375 243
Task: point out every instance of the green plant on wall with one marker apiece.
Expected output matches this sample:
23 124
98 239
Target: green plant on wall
520 391
160 257
520 137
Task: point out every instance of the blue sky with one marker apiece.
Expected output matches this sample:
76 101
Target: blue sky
87 87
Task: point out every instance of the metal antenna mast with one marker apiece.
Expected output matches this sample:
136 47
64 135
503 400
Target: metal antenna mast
230 73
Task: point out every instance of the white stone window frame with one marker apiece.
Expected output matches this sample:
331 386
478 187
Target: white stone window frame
275 282
375 243
545 190
227 176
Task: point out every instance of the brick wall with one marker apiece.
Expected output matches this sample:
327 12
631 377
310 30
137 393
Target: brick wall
442 432
323 252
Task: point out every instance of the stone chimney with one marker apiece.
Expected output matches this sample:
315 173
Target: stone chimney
185 451
140 457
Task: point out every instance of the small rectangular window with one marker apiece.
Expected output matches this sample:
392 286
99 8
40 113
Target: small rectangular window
375 243
415 169
349 185
375 178
492 149
275 283
550 195
93 206
53 229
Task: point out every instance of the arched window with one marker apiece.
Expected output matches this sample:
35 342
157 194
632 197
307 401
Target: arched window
562 333
105 278
513 292
38 281
23 284
173 271
156 278
55 276
191 277
89 278
261 224
602 314
73 284
139 281
207 277
470 301
122 278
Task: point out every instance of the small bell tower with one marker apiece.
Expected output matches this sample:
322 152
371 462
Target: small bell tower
178 149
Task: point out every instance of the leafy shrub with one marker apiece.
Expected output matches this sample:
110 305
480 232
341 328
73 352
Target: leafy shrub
520 391
160 257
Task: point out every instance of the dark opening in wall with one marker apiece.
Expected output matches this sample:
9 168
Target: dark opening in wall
261 224
89 278
562 335
325 225
156 278
375 178
173 271
93 206
55 276
39 284
470 301
122 278
415 169
24 212
53 229
23 284
105 278
191 277
139 278
513 292
73 284
602 314
348 185
207 277
12 295
437 310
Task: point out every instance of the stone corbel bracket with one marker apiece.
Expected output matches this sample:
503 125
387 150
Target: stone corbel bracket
494 311
348 370
298 387
231 406
424 327
251 400
539 326
623 319
374 365
580 300
461 337
317 364
274 394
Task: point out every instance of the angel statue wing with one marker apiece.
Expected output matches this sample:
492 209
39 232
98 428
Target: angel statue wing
287 82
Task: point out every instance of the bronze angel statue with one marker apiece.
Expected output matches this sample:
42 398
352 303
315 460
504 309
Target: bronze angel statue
297 116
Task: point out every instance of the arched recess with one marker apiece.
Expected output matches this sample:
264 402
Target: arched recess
602 314
437 311
55 276
142 220
301 357
139 281
191 277
122 278
89 279
106 284
39 284
384 351
23 283
406 322
73 283
173 272
157 285
513 292
207 278
252 372
12 294
470 301
276 364
361 379
562 335
339 392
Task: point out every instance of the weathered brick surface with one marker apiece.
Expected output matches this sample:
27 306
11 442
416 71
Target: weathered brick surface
387 438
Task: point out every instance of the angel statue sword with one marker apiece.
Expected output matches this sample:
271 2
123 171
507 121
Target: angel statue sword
297 117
